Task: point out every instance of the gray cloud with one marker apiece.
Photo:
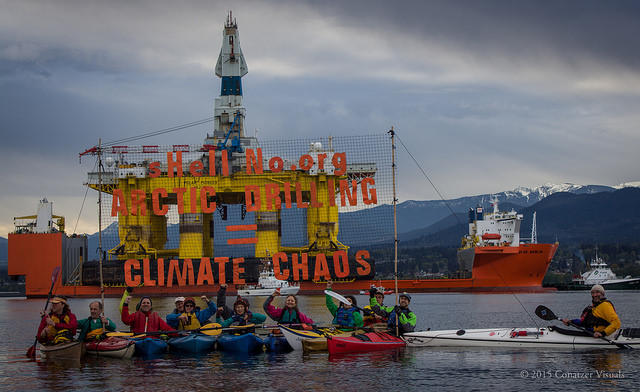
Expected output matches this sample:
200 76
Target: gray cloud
488 95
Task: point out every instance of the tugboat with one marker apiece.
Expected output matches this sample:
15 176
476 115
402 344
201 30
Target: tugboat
267 283
601 274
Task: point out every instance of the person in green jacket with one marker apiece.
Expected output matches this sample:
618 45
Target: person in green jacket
405 317
241 315
92 327
345 316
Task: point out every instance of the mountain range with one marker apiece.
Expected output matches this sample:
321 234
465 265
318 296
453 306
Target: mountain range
569 212
605 217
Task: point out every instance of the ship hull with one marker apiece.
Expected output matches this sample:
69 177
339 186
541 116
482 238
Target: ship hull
493 269
618 284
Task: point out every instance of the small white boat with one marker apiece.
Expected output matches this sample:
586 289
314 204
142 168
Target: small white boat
601 274
267 284
551 337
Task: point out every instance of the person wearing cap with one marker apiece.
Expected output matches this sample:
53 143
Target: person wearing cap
193 318
371 317
599 317
59 326
241 315
405 317
94 326
144 319
345 315
172 318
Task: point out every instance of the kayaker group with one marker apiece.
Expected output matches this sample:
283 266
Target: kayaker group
60 325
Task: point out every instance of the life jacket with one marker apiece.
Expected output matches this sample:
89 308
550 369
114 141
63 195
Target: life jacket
391 322
238 319
344 317
95 334
289 317
370 316
591 321
191 323
56 336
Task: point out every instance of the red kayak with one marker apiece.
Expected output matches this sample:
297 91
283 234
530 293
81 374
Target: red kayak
370 341
114 347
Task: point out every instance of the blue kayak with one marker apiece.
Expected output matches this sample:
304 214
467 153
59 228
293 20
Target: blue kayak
148 347
195 343
277 344
246 343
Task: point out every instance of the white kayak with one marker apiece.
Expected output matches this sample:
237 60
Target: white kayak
520 337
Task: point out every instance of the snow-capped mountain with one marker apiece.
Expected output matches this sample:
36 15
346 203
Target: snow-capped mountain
414 214
634 184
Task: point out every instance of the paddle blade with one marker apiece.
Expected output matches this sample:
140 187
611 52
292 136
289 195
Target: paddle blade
545 313
337 296
54 274
119 334
31 352
211 329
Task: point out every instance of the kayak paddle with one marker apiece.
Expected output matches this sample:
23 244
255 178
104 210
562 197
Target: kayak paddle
31 352
211 329
342 299
547 314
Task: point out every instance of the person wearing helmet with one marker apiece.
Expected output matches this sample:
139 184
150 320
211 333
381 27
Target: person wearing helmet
371 317
599 317
241 315
192 317
345 316
405 317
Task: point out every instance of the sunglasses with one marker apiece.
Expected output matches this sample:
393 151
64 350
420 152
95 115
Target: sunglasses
189 306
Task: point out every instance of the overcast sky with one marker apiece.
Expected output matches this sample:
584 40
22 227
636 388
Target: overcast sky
488 95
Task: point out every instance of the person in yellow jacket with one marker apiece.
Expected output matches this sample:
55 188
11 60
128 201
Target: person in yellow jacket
599 317
193 318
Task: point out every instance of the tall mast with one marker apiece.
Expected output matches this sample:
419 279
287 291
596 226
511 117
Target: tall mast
395 221
100 222
534 232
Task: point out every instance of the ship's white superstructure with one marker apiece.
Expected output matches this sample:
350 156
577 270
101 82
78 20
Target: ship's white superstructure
498 228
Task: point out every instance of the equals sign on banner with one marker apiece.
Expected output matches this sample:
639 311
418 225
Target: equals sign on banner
237 241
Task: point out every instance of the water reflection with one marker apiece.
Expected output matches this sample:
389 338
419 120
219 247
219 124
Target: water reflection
376 359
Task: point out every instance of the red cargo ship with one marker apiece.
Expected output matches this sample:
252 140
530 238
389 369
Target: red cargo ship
494 262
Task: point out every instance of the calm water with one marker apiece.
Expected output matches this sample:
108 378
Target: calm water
408 369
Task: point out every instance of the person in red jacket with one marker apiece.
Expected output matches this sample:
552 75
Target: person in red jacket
144 320
59 326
